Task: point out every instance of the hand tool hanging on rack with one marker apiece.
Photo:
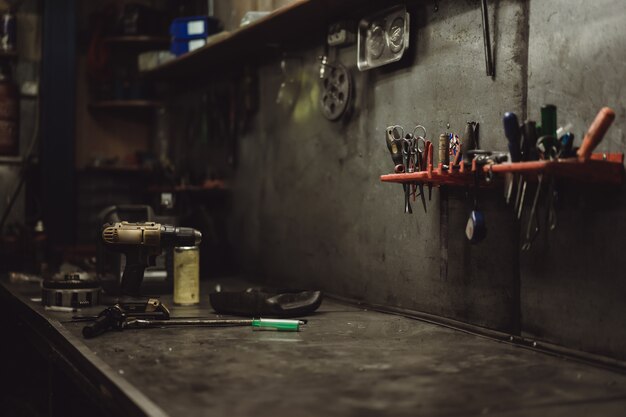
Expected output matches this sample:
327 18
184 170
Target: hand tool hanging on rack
468 143
596 132
421 159
394 139
395 143
455 150
475 229
444 150
513 134
487 39
550 148
528 151
407 153
428 148
406 161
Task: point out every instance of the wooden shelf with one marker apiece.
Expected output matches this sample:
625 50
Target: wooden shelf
286 24
8 54
125 104
601 168
11 160
211 185
121 169
136 41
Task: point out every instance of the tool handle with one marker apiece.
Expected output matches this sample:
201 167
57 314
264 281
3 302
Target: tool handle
132 277
548 120
529 140
99 326
468 142
596 132
512 133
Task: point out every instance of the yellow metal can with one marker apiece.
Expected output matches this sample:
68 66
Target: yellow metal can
186 275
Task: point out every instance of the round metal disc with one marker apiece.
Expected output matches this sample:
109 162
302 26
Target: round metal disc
336 91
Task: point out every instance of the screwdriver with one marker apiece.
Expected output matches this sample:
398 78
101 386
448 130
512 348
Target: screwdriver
468 142
512 133
548 120
529 140
269 324
596 132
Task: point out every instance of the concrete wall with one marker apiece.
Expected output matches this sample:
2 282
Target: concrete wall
572 282
312 211
309 210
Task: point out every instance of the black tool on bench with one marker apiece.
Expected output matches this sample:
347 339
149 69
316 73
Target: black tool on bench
266 303
115 316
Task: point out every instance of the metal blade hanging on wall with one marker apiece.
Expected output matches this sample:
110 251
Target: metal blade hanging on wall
487 39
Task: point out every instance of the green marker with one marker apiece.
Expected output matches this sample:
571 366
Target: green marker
278 324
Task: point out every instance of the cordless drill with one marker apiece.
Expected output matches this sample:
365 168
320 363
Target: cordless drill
142 243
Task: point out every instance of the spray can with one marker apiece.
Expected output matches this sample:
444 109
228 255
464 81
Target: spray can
186 275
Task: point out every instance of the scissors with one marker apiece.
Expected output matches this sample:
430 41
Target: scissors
420 159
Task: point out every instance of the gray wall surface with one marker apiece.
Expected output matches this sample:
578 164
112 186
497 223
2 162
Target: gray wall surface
310 211
572 282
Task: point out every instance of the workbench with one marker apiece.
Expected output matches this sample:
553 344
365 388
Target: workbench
347 361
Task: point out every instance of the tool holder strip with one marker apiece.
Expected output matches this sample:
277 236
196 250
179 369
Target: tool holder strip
600 168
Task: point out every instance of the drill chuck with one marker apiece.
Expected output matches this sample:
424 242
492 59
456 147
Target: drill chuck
179 236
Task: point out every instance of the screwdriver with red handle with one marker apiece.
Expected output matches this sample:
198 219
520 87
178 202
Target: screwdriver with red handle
596 132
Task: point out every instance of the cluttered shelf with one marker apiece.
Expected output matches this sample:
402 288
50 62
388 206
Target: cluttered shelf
11 160
287 22
8 54
207 186
125 104
138 40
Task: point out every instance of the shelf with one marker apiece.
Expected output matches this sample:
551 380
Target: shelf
11 160
8 54
211 185
121 169
288 23
600 168
136 41
125 104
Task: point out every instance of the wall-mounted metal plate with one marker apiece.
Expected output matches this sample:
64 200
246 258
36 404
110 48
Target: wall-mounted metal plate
383 37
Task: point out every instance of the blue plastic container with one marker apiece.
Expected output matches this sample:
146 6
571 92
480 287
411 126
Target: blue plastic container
182 46
193 27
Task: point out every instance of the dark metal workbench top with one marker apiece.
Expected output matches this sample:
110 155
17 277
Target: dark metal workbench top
346 362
